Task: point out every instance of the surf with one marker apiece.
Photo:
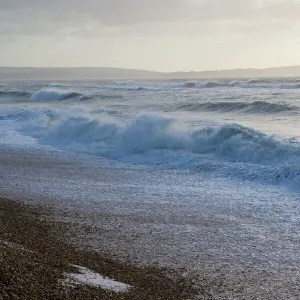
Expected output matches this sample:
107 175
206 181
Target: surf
102 134
54 94
255 107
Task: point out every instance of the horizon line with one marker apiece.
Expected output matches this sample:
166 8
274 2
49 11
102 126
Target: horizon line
163 72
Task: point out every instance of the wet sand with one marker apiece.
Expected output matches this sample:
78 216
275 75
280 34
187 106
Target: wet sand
35 257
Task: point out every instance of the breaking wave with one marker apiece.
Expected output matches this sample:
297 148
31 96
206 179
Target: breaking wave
256 107
140 86
53 94
230 150
149 133
246 84
133 86
261 84
213 84
105 91
203 84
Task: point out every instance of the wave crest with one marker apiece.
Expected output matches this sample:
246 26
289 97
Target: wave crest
148 133
229 150
53 94
243 84
256 107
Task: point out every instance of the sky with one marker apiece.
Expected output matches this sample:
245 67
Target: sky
161 35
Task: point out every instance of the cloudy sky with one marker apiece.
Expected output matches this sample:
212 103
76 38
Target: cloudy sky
164 35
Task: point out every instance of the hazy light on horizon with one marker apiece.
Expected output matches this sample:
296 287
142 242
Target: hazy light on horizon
166 35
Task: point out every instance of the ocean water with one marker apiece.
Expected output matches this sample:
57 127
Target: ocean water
244 129
200 175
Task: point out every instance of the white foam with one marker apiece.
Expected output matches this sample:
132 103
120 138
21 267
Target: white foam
155 139
151 135
155 133
89 277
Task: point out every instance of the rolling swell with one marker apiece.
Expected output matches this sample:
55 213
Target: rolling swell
243 84
11 94
248 84
54 94
256 107
51 94
262 84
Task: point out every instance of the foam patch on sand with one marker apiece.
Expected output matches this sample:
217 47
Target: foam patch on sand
89 277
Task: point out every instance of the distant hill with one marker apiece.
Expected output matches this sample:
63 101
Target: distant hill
74 73
292 71
15 73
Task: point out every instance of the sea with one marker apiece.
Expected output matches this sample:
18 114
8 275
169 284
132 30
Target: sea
201 173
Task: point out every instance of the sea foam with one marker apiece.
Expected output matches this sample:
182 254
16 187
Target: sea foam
229 150
148 133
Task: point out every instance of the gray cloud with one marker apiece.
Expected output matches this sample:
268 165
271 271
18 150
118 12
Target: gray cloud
137 16
153 34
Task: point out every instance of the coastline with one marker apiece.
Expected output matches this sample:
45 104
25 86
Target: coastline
231 249
35 258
